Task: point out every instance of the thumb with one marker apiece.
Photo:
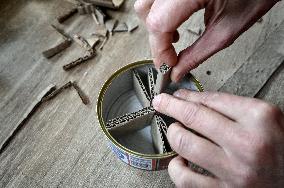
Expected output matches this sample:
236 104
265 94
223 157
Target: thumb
215 38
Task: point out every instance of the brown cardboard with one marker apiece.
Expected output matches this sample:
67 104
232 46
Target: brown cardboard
121 27
152 75
159 131
141 89
57 49
130 122
82 42
163 78
79 61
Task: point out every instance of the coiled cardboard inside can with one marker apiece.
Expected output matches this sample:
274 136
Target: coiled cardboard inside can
133 142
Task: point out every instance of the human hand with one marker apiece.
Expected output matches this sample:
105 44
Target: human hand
225 20
246 147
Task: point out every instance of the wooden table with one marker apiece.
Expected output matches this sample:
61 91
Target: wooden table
61 144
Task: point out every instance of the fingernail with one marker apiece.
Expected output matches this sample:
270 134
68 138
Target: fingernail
177 93
175 76
156 101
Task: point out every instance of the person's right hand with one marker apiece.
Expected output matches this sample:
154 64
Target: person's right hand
246 146
225 20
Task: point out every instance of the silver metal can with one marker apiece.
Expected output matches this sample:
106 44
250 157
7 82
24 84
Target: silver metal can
116 98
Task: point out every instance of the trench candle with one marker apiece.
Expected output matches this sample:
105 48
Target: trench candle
135 131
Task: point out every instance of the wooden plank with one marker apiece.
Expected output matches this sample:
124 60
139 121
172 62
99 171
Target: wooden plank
253 74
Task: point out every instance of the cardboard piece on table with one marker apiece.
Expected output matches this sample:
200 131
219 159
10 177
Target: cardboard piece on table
163 78
86 9
110 25
121 27
28 113
101 16
95 18
93 41
81 93
159 132
57 49
67 15
152 76
103 43
132 26
100 31
56 92
115 4
82 42
79 61
75 2
141 89
130 122
61 32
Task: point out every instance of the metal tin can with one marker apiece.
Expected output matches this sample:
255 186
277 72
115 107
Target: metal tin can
118 87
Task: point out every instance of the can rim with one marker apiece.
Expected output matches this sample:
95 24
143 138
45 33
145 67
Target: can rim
100 102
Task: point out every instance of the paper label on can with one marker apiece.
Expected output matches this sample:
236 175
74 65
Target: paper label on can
119 153
140 162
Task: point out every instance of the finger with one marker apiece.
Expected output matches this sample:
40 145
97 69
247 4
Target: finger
221 31
197 150
214 39
232 106
142 8
203 120
182 176
162 50
162 21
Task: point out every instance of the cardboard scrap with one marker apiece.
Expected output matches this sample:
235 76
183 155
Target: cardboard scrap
93 41
79 61
130 122
152 76
110 25
86 9
163 78
132 26
114 4
121 27
140 89
81 93
82 42
159 132
28 113
95 18
103 43
61 32
100 31
56 92
101 16
57 49
67 15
